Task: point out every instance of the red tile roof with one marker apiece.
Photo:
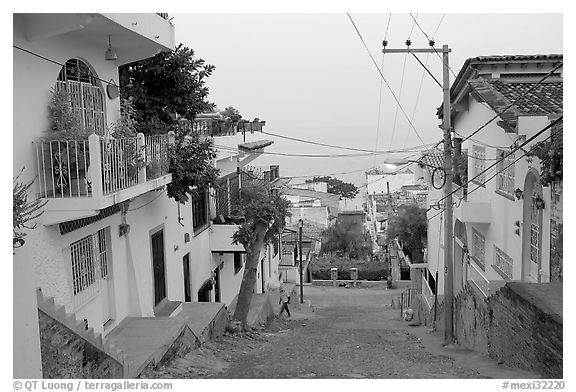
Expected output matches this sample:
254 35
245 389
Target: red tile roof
543 100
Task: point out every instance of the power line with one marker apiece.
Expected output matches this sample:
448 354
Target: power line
383 78
336 146
498 114
431 41
507 155
401 86
380 93
492 177
234 149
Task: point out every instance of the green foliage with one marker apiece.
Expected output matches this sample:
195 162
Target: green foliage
167 84
340 239
231 113
259 206
64 124
191 167
410 226
337 187
367 270
556 255
157 89
127 124
550 153
23 211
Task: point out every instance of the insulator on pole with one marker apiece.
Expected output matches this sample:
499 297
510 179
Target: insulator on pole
408 42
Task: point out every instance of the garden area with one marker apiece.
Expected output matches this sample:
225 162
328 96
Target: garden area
367 270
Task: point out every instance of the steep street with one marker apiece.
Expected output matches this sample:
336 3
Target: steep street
352 333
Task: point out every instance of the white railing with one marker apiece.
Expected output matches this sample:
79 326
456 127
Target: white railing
121 160
62 168
76 168
476 277
157 163
503 262
428 294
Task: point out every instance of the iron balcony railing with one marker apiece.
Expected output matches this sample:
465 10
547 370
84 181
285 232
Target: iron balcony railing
478 279
72 168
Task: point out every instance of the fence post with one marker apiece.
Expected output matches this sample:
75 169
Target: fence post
334 276
354 275
141 148
401 303
95 169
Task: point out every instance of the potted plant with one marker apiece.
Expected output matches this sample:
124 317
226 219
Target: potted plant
67 148
132 156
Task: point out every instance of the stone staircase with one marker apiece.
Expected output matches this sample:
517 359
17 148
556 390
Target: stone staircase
58 313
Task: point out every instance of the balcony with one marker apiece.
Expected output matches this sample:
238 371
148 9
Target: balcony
133 36
470 211
81 177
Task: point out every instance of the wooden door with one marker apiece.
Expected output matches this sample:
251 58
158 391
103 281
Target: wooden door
187 287
158 266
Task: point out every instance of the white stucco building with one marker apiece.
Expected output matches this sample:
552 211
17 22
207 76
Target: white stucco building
497 236
111 243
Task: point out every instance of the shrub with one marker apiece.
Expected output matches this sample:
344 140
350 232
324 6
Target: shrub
367 270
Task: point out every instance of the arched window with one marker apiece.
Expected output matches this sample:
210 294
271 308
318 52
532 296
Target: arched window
85 93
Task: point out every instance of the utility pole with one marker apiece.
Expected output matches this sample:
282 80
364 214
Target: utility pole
448 228
301 223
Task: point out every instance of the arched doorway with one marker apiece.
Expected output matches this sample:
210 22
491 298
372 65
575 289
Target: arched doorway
532 229
85 93
460 259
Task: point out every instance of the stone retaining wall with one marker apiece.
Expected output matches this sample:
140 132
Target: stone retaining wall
66 354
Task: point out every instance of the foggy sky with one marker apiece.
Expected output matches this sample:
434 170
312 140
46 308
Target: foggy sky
310 77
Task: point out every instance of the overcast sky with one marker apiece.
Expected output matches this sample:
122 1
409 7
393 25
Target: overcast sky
310 77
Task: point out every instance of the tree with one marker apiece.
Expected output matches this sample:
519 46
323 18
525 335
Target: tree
160 89
231 113
23 211
411 227
337 187
164 85
339 238
260 215
550 152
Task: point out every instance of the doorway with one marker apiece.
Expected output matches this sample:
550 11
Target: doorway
262 274
217 284
204 292
187 286
531 229
158 266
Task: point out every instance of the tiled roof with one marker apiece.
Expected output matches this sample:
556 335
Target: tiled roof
432 160
468 68
544 99
522 57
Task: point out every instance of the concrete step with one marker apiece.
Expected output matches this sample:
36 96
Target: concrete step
169 309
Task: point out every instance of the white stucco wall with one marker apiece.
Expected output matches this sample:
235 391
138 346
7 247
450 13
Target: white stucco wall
27 362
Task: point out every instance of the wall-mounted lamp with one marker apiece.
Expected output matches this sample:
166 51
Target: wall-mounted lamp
539 203
110 53
519 193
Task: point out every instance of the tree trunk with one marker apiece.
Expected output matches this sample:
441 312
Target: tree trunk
249 278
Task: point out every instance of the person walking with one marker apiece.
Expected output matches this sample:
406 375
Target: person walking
284 301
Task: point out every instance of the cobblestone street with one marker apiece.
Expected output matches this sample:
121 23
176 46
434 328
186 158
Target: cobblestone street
352 333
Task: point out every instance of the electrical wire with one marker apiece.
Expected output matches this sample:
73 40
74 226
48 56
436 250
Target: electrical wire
341 147
494 175
380 92
432 40
385 81
483 172
498 114
401 86
235 149
151 201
